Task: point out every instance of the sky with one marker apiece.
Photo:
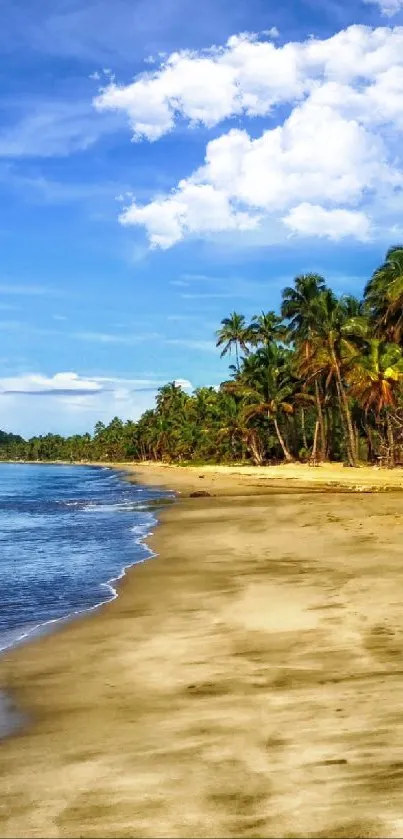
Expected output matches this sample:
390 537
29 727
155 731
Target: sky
163 163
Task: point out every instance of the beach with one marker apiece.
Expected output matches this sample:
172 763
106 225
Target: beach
246 682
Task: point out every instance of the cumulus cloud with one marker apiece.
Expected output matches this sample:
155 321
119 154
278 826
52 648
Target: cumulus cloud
249 76
319 171
313 220
387 7
192 208
316 157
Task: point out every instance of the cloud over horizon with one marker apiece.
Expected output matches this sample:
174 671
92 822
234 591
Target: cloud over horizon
69 395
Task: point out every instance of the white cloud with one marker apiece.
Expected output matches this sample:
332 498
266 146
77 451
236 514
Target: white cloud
193 208
313 220
40 384
272 32
34 403
184 384
317 156
245 76
249 76
387 7
333 162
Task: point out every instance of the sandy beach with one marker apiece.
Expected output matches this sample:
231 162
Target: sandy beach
247 681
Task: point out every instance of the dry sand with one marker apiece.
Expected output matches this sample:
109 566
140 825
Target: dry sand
247 682
236 480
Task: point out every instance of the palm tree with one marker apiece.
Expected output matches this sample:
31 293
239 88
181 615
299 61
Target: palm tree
237 430
234 333
374 381
298 308
333 349
171 419
266 328
297 304
266 388
170 397
384 296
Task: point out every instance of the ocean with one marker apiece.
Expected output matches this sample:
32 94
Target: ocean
67 534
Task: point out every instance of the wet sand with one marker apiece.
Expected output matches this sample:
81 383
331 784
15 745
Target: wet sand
246 683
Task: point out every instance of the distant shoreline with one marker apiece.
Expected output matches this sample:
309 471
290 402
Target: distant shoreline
324 477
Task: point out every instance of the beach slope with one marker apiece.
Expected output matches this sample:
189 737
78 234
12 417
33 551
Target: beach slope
247 682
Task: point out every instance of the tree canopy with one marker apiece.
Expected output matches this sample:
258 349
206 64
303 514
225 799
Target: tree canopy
321 379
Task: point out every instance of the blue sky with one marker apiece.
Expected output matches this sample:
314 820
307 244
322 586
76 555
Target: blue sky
138 210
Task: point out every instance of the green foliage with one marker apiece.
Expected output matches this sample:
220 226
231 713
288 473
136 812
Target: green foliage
323 380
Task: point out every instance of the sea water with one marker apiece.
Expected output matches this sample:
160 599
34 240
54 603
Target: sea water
67 534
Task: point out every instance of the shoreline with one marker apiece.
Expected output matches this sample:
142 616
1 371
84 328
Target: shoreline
324 477
244 672
184 477
39 630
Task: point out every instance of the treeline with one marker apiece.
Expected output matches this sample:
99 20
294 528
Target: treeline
320 380
108 442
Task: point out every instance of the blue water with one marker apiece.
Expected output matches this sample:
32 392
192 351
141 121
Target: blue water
66 535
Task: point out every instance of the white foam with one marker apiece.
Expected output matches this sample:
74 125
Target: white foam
119 507
40 628
142 532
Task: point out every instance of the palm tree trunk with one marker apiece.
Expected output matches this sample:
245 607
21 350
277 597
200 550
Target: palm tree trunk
371 450
329 432
288 456
347 436
349 424
256 454
315 440
303 429
345 411
357 440
321 421
391 439
237 355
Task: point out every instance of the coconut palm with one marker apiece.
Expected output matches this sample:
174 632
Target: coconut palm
170 397
374 380
266 388
235 428
298 308
384 296
266 328
339 328
233 334
330 351
297 305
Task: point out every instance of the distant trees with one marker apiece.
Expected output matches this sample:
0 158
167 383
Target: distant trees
320 380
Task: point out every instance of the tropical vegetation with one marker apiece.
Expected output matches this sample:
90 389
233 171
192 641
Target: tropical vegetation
322 379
